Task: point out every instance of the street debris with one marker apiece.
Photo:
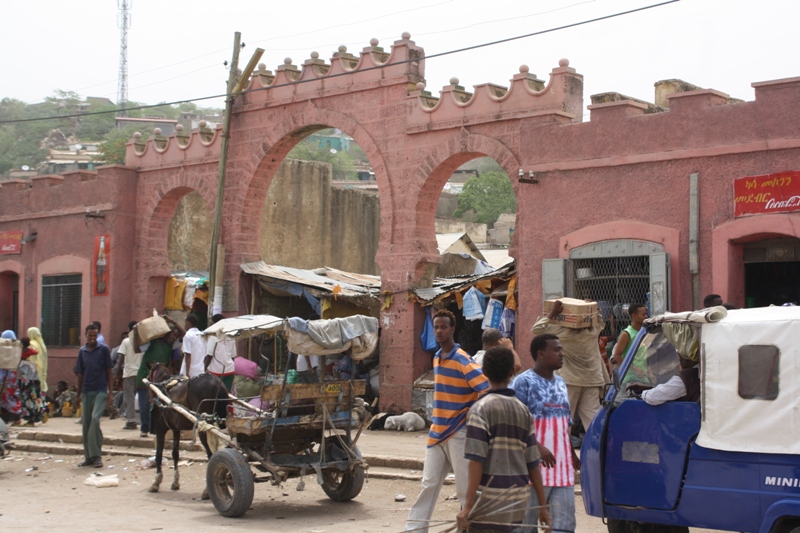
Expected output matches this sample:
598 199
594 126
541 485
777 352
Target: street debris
400 498
101 481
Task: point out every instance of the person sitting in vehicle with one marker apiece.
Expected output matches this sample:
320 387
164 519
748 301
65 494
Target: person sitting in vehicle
683 387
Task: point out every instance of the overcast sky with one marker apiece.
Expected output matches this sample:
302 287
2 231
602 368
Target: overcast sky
176 48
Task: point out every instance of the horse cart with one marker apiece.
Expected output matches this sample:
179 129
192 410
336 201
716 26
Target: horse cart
299 428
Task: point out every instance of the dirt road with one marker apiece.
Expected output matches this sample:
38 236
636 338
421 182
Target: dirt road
54 496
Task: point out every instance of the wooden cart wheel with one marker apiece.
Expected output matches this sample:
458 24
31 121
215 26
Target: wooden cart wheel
342 486
230 482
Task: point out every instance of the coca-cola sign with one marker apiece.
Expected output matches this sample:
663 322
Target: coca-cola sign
771 193
10 242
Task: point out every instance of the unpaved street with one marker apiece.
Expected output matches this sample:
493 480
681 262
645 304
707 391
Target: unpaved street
54 497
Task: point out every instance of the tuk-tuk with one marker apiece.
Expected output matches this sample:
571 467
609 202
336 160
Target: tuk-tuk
730 461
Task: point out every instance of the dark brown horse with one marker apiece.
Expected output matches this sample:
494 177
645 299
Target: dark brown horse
201 394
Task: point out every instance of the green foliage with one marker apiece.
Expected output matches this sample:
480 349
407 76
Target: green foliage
22 143
341 162
488 196
483 165
113 149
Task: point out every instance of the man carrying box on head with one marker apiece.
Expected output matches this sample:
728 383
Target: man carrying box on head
583 370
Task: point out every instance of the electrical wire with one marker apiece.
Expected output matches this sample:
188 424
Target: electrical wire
430 56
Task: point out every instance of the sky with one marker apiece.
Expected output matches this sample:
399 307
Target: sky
176 49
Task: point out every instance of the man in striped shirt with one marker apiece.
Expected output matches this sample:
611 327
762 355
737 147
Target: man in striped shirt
456 384
502 452
545 395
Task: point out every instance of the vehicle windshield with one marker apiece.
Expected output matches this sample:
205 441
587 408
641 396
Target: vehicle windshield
654 363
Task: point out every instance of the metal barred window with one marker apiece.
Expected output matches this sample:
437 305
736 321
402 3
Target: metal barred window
61 310
612 282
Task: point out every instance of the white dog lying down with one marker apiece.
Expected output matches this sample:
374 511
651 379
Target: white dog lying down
405 422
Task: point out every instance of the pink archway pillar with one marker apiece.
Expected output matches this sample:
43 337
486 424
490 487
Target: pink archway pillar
727 261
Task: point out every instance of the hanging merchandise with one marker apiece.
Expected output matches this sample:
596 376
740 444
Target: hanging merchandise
493 311
428 339
508 322
473 304
511 299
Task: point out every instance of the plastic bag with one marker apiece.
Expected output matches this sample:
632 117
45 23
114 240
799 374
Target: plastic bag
102 481
508 320
473 304
428 339
494 310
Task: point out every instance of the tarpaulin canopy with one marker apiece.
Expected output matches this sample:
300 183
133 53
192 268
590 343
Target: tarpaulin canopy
245 326
751 391
357 333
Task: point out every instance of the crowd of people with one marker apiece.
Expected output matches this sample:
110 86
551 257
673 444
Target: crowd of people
507 435
23 391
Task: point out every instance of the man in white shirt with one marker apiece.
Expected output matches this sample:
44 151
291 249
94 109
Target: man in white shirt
307 368
684 386
194 349
129 362
219 357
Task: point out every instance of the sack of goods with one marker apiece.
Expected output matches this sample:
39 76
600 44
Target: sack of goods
10 354
152 328
576 314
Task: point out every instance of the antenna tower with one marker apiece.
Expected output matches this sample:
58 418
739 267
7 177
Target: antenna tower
124 23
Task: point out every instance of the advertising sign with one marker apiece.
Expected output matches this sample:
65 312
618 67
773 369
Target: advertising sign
10 242
772 193
102 249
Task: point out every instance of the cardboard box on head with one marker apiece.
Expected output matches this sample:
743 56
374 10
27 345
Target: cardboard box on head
576 314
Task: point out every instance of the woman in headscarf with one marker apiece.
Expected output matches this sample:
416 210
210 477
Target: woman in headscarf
30 394
10 406
40 359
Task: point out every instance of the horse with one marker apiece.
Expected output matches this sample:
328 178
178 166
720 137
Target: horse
201 394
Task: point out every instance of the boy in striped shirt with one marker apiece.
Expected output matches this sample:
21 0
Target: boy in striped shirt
457 382
545 395
503 454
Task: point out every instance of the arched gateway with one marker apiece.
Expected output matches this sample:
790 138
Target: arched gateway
638 204
413 141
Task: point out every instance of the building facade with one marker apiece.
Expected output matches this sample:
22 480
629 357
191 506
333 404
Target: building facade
607 209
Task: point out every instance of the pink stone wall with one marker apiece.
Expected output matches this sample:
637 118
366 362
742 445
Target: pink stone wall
624 174
54 207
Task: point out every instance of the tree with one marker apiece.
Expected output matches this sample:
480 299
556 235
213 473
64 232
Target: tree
488 196
113 149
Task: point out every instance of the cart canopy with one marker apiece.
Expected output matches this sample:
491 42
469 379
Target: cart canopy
357 333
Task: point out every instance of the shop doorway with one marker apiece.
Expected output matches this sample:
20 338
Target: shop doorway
772 272
9 295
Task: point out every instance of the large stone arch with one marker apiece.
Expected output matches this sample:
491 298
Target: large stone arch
152 257
727 260
435 169
269 153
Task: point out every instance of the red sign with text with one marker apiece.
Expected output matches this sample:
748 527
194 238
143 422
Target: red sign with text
10 242
773 193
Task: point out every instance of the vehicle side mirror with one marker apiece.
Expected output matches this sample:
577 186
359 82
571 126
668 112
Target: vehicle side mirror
616 379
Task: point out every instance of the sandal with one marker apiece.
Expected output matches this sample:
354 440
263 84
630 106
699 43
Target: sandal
88 462
97 463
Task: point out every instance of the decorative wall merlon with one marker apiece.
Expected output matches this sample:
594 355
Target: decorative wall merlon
180 146
314 77
526 96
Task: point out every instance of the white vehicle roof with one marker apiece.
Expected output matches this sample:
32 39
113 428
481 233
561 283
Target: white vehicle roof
750 368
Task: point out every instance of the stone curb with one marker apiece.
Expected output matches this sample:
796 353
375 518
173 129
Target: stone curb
49 442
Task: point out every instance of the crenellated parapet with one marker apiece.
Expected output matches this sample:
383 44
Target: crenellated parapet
403 63
198 146
560 101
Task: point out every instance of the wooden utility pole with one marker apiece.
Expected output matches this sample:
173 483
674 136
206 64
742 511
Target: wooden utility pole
215 293
217 259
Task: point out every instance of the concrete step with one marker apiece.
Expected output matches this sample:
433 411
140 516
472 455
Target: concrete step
57 448
43 441
134 441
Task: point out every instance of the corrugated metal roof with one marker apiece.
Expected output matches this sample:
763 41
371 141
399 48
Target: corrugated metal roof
443 286
325 278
